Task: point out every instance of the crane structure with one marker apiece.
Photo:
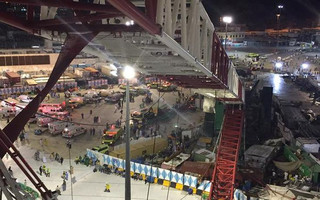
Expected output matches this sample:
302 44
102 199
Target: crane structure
172 39
224 174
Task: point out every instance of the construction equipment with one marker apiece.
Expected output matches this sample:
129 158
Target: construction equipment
224 174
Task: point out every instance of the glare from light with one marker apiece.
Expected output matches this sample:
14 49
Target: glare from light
131 22
128 72
227 19
276 83
113 67
128 23
278 65
280 6
176 126
210 94
114 73
305 66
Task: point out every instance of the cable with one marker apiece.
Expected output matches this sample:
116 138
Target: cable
154 143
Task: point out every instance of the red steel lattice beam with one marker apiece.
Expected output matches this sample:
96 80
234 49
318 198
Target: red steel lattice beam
193 81
131 11
223 177
67 4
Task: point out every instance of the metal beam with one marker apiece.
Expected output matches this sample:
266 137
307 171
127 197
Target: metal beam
131 11
30 12
223 177
151 9
67 4
73 45
80 28
70 20
17 23
202 86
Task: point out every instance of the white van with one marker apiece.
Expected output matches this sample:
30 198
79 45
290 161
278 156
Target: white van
57 127
7 111
43 121
73 130
24 99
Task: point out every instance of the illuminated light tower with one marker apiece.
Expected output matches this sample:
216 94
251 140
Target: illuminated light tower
280 7
128 73
227 20
278 66
129 23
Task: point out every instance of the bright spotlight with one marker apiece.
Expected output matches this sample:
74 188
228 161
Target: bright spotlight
131 22
128 72
280 6
128 23
227 19
305 65
278 65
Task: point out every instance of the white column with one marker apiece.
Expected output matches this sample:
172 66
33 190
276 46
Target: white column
209 48
168 18
160 7
184 35
196 39
52 12
43 12
191 26
176 5
204 42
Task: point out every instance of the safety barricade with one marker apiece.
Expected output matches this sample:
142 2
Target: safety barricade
97 83
161 176
131 81
25 89
150 79
204 187
177 180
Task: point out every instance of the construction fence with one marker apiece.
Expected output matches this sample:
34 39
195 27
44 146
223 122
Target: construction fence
26 89
161 176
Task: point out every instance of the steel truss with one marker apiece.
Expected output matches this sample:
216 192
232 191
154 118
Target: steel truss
224 174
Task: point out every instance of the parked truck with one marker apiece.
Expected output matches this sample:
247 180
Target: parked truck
111 135
73 130
57 127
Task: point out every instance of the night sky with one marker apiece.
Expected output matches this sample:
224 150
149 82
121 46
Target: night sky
261 14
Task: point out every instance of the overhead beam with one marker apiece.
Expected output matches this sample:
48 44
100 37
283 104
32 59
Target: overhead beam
67 4
80 28
200 86
70 20
131 11
17 23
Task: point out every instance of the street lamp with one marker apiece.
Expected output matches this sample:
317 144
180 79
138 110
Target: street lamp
280 7
278 65
227 20
305 66
128 73
71 167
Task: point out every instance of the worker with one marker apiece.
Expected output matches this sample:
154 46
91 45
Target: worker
286 176
48 172
107 188
58 190
296 178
